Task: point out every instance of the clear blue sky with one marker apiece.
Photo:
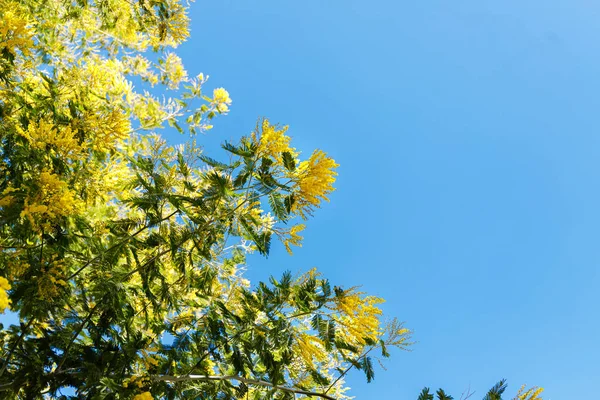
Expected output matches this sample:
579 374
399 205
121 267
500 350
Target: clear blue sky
469 188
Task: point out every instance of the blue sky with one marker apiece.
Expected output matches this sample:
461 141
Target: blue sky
468 194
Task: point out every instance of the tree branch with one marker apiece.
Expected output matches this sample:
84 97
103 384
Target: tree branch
207 378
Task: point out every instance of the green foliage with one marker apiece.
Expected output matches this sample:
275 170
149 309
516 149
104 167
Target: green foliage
495 393
441 395
425 395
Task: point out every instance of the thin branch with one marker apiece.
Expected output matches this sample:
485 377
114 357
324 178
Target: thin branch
349 368
467 393
208 378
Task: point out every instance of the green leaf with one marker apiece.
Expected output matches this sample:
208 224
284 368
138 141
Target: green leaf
220 185
384 351
278 206
173 123
241 390
183 167
289 203
318 378
495 393
425 395
236 150
213 163
367 367
262 240
288 161
441 395
316 321
241 179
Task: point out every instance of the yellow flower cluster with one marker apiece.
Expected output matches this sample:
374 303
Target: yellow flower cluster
110 128
310 347
273 141
6 198
149 111
530 394
294 238
43 134
138 381
174 29
148 359
126 30
143 396
14 33
48 284
140 66
221 95
4 300
359 317
96 79
174 72
53 199
315 182
221 100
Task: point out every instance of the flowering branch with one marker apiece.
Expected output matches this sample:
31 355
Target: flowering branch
207 378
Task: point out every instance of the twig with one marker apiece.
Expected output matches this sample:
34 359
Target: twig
348 369
467 393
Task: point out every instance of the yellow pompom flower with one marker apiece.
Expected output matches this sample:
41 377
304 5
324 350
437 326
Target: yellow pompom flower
273 140
14 33
294 238
49 283
4 300
222 108
174 73
52 200
315 181
359 315
143 396
221 96
309 347
43 134
174 29
529 394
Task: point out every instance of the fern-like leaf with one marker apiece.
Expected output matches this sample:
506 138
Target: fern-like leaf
441 395
425 395
495 393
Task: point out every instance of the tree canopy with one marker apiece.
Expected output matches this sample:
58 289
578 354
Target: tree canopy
123 255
